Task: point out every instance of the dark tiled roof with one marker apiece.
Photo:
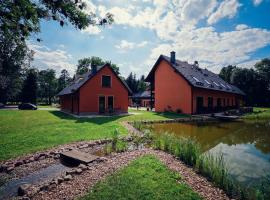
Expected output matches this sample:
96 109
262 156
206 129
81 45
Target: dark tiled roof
198 77
80 80
141 95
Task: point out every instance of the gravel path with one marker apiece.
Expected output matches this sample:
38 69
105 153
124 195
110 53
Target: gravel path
80 184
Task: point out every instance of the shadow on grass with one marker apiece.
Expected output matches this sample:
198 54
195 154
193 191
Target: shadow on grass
96 120
107 119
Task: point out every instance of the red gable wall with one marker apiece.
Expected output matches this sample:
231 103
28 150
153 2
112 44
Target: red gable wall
171 90
89 93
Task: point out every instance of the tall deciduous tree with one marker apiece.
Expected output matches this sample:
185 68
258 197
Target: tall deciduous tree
29 90
255 82
14 58
85 64
226 73
22 17
63 80
47 85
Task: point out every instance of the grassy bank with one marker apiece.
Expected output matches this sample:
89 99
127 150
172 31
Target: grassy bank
212 167
23 132
258 113
144 178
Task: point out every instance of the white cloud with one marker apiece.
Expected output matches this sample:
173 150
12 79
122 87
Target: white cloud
227 8
126 45
91 30
213 49
257 2
240 27
57 59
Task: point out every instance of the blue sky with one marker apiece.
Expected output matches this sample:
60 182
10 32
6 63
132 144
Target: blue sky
214 32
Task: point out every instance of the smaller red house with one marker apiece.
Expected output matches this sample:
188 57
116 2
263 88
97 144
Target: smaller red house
98 91
142 99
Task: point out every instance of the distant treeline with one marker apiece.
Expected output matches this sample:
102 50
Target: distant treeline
255 81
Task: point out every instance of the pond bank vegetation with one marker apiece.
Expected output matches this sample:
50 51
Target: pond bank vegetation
214 168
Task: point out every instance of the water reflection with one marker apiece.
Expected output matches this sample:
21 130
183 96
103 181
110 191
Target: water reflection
245 145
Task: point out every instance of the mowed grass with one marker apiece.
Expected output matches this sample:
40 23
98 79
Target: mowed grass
23 132
145 178
258 113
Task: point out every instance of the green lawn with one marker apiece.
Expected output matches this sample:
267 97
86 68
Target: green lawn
144 178
23 132
258 113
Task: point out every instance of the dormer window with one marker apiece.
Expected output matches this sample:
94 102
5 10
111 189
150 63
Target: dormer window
106 81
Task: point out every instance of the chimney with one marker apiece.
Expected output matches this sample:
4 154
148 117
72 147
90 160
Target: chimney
173 57
93 68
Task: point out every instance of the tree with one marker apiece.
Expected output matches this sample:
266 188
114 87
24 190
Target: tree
136 85
14 59
29 90
226 73
85 64
47 83
63 80
253 84
263 68
21 18
141 84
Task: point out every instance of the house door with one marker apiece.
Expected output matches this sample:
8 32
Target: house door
101 104
219 104
110 103
199 103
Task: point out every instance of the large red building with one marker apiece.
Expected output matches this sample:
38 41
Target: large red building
182 87
98 91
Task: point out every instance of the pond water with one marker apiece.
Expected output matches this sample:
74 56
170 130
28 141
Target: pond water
244 144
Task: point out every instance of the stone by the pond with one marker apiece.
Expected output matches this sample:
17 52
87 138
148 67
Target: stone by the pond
23 189
44 187
18 163
79 156
83 167
9 169
67 177
60 180
78 171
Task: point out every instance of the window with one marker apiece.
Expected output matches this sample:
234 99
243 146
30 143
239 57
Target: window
216 83
210 102
106 81
197 80
207 82
222 85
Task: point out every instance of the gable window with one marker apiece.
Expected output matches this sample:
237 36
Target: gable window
106 81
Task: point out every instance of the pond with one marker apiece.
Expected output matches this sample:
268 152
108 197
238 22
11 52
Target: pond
244 144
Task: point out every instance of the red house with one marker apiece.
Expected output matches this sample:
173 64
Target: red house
182 87
100 90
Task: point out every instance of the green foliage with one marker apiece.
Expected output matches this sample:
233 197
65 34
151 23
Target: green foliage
84 64
117 145
226 73
22 17
144 178
47 85
29 90
255 82
184 148
63 80
136 85
15 57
